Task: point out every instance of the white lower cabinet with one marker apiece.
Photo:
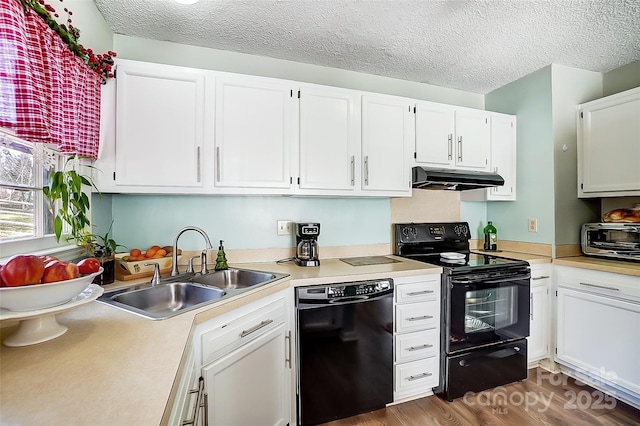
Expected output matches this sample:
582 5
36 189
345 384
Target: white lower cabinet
247 386
598 330
538 340
416 336
244 358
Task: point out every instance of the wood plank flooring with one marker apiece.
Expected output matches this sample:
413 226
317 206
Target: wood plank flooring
543 398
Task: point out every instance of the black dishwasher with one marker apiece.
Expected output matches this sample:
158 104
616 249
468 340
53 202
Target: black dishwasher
345 349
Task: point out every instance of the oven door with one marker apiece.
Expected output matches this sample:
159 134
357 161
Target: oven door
486 308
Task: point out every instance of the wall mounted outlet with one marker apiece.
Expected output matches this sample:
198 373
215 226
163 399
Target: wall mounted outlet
285 227
533 224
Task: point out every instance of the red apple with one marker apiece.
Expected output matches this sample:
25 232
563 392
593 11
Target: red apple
89 265
59 270
22 270
1 282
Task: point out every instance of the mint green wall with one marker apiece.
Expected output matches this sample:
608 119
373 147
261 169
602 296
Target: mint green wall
571 87
529 98
245 222
621 79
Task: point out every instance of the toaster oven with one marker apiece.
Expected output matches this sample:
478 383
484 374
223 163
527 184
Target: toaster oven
612 240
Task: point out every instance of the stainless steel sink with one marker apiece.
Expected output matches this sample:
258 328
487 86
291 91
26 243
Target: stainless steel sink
235 278
175 295
165 300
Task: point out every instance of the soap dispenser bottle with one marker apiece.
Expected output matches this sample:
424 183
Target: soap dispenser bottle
221 260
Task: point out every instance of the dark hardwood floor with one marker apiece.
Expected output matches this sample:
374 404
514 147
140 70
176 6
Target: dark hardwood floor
543 398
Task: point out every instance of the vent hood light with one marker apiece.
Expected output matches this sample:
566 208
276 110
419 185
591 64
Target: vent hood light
453 180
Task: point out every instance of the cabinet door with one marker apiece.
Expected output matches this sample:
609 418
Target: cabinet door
328 140
386 137
160 117
434 134
503 156
249 386
609 145
472 139
537 346
253 128
600 336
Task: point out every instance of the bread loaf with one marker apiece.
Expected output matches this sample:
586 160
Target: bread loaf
623 215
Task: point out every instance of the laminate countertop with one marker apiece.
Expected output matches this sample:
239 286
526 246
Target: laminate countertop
115 368
599 264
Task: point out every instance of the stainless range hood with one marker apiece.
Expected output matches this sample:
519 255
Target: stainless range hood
453 180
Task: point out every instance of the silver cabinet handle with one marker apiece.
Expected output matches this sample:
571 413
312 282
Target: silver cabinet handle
353 170
366 170
196 406
415 293
531 307
256 328
417 348
287 337
460 148
450 142
217 164
198 164
604 287
420 318
541 277
419 376
206 409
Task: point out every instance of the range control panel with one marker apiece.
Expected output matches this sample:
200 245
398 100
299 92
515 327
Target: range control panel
429 232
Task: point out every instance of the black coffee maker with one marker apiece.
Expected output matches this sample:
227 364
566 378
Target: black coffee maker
307 244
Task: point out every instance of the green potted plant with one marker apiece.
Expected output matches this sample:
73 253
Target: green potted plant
70 204
104 249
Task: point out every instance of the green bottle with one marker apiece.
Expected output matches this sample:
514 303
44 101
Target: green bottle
221 260
490 237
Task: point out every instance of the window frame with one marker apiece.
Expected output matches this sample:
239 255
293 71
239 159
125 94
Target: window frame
39 243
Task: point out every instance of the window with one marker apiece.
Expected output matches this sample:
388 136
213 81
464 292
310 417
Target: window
24 168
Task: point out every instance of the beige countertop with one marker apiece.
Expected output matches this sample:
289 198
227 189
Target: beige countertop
599 264
114 368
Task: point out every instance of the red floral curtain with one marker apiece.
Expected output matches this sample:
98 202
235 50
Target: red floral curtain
47 94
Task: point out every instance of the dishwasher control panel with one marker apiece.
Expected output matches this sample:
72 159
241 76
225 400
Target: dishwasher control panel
333 291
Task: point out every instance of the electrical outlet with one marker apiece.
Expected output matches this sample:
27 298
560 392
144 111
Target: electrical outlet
533 224
285 227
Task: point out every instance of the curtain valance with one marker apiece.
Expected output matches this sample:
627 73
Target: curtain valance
47 93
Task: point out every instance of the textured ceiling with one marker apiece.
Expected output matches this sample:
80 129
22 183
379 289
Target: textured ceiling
472 45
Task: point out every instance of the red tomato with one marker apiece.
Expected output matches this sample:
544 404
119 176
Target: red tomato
22 270
89 265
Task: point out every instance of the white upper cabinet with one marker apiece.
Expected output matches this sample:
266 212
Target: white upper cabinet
472 139
253 132
503 161
434 135
328 140
160 111
386 142
452 137
609 146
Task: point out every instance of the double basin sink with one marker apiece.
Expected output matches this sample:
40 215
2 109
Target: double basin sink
175 295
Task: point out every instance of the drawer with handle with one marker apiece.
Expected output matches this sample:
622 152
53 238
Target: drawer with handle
422 374
228 336
418 291
417 316
418 345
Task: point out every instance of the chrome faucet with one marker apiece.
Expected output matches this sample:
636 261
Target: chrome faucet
174 254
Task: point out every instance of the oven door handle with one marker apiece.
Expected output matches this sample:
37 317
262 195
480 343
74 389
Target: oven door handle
491 281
